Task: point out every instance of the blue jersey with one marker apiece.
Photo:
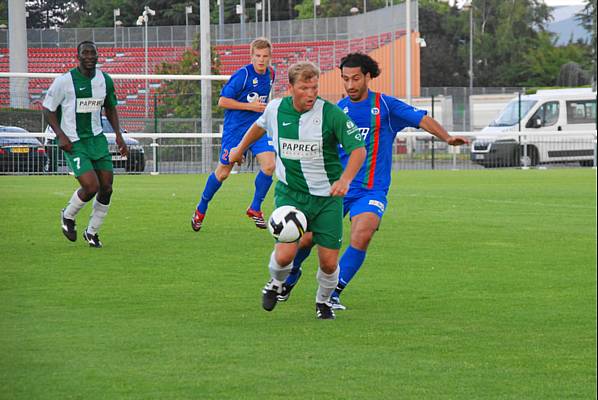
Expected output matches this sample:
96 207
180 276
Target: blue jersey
379 118
245 86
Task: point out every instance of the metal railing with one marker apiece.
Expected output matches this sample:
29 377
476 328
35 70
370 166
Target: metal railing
322 28
175 153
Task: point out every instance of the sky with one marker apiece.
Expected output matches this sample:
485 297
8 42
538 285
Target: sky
551 3
554 3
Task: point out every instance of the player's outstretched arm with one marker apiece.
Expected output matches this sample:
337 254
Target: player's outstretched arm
250 137
430 125
232 104
356 159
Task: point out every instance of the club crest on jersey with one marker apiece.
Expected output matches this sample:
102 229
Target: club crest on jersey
255 81
317 121
375 111
346 109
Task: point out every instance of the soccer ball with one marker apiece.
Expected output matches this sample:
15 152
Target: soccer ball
287 224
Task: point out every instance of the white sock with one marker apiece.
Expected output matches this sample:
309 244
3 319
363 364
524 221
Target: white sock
97 217
74 206
327 285
278 273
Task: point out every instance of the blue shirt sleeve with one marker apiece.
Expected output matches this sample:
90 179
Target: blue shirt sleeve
402 115
233 88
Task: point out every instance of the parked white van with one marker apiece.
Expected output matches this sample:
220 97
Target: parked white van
556 126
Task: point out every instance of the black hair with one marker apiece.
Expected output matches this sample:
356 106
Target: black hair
84 43
367 64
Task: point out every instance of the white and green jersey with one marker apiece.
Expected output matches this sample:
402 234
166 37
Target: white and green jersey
78 101
306 143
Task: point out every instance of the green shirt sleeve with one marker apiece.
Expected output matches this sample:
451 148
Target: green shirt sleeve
345 130
110 99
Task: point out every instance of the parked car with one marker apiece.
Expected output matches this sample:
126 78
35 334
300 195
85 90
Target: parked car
20 154
135 162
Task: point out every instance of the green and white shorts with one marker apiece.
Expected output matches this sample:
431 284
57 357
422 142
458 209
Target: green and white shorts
89 154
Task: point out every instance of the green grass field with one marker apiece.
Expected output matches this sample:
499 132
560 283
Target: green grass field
479 285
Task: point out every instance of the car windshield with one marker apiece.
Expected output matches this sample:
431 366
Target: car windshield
19 140
106 126
510 115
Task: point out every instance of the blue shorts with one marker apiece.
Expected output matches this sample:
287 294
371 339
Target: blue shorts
262 145
359 201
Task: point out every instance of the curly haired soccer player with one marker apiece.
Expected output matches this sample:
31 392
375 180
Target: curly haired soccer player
379 117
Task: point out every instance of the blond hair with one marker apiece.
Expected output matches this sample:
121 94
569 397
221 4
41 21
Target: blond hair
260 43
303 71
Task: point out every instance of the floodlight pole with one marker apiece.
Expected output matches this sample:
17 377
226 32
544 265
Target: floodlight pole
115 13
316 4
142 20
188 10
408 53
145 43
471 47
206 84
258 6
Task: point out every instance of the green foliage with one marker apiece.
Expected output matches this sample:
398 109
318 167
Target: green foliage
182 99
542 65
4 13
510 45
442 61
46 14
499 304
332 8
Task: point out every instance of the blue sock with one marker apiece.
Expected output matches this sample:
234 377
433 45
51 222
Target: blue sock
262 185
350 262
212 186
295 274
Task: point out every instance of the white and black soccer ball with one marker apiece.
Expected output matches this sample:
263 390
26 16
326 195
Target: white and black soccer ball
287 224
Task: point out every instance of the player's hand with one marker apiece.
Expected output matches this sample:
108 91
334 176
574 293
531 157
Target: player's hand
257 106
457 140
65 144
122 146
339 188
236 156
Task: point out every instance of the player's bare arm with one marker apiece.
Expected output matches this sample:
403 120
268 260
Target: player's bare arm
250 137
232 104
356 159
64 143
430 125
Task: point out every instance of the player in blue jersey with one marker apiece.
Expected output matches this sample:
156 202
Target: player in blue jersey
244 99
380 117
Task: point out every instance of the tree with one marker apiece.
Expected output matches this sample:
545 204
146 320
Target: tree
571 74
182 99
442 63
4 13
587 18
505 33
332 8
46 14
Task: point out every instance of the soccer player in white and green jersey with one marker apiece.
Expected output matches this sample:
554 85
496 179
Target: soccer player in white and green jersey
306 131
73 108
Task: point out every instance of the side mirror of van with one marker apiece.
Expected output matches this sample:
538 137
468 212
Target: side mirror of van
534 122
